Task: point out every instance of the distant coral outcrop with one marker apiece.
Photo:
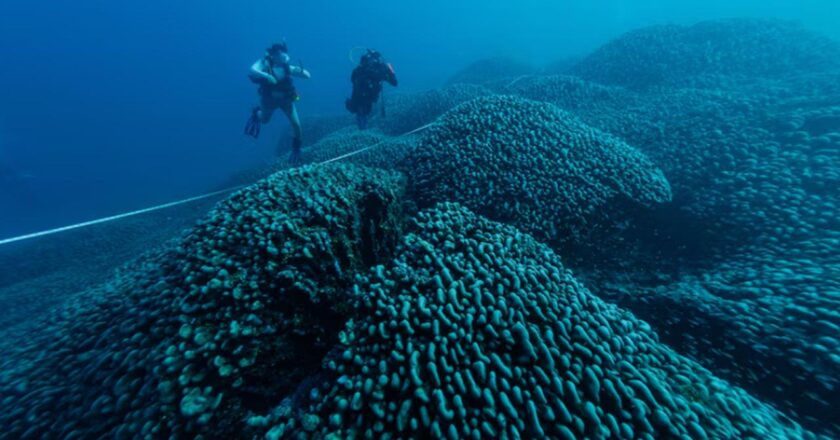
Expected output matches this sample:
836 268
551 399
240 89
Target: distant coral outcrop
687 55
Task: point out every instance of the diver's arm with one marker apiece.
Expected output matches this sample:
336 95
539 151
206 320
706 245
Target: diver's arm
300 72
257 71
390 75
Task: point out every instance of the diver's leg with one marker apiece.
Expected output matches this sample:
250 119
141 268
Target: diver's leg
294 120
366 111
267 107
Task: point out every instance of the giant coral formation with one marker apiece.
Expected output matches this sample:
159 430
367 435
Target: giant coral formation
471 329
186 341
702 53
317 303
475 330
750 152
530 164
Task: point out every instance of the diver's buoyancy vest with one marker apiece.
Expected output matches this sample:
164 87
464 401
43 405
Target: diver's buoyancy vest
285 86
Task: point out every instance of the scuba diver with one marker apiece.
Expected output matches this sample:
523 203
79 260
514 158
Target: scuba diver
273 73
367 81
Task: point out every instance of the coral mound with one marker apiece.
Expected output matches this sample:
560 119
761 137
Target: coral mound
530 164
475 330
678 55
235 314
747 263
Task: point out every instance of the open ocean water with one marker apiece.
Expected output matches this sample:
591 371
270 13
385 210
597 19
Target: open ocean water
470 220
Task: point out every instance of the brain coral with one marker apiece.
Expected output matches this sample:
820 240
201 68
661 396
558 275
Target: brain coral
475 330
678 55
230 316
530 164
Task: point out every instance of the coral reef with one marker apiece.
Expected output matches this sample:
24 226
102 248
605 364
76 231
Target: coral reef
475 330
187 340
752 158
765 319
698 55
752 172
532 165
688 176
462 327
751 154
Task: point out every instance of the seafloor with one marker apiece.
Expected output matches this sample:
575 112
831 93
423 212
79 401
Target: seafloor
639 244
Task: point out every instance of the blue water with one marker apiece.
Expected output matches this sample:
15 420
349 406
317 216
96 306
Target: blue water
109 106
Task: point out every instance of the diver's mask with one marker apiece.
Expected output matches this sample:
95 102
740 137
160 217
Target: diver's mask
278 53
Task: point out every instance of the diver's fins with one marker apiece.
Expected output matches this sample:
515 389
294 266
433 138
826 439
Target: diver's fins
252 127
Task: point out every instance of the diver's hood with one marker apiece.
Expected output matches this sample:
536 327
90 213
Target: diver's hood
372 57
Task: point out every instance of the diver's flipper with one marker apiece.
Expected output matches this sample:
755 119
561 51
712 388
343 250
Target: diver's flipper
252 127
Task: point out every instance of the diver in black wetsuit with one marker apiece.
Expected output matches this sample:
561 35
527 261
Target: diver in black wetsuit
367 81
